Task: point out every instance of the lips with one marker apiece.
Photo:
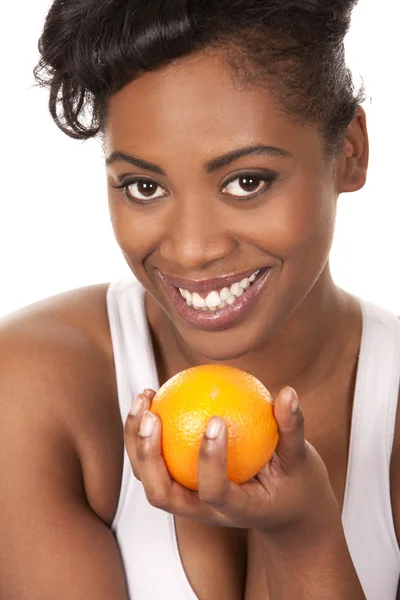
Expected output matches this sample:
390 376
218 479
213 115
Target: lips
223 318
206 285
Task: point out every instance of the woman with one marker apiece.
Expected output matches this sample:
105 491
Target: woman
229 130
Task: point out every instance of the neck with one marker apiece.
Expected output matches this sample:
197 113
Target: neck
300 353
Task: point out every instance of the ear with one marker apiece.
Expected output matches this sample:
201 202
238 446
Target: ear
353 162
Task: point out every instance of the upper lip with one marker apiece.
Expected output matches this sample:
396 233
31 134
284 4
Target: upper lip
206 285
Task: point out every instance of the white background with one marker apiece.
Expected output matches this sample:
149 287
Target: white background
55 232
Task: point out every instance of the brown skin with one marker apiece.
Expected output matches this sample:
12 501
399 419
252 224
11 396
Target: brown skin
60 433
197 231
181 121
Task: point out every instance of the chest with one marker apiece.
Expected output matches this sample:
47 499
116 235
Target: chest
221 562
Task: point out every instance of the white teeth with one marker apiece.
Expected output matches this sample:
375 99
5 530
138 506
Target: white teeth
254 276
236 290
198 301
213 300
235 287
225 293
186 294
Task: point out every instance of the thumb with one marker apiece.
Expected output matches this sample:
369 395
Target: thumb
289 416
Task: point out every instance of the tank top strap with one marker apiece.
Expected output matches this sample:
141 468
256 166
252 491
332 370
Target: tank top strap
367 512
146 535
133 351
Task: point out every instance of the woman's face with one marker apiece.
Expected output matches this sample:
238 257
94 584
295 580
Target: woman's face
198 213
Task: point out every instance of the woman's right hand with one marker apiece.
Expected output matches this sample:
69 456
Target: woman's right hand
141 403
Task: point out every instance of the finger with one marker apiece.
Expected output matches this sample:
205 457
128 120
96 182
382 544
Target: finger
213 480
214 487
154 475
289 416
140 404
161 490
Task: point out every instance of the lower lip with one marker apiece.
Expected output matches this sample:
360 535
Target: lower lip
221 318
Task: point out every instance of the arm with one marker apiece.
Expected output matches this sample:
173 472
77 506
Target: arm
319 569
53 543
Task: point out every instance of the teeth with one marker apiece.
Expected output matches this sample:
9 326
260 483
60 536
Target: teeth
225 293
213 300
218 300
236 290
253 277
198 301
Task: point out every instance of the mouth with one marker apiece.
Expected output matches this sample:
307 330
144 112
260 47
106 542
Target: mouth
215 304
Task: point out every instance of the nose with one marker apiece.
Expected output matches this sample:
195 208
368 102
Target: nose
196 237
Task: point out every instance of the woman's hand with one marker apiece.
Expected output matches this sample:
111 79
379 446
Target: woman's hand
290 496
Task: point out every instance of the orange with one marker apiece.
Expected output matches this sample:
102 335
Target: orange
187 401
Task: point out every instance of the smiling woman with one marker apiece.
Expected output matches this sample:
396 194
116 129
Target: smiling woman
229 129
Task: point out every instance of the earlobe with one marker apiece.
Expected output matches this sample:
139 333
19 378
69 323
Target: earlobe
353 162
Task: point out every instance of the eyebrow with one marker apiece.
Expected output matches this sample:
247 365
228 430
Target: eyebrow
213 165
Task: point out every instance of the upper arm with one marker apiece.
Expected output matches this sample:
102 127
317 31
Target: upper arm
53 543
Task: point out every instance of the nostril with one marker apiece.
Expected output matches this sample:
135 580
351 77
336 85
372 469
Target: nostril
194 253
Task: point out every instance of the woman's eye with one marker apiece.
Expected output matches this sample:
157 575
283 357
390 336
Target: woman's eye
145 191
142 190
247 185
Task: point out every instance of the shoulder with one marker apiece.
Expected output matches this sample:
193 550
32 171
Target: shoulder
82 311
63 339
57 379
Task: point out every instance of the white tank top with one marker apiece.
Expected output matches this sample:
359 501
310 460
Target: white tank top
146 535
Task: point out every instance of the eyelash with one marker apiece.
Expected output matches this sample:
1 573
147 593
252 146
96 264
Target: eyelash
269 179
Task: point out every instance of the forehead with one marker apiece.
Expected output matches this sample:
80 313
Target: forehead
197 102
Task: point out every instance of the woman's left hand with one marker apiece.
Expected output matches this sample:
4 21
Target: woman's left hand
291 493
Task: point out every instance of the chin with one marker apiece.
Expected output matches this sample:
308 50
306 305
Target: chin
221 346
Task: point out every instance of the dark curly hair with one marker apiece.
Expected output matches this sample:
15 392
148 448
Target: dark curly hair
90 49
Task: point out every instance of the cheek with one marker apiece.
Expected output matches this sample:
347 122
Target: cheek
294 223
137 231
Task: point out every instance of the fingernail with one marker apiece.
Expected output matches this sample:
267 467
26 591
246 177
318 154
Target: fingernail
147 424
213 429
291 398
136 406
148 392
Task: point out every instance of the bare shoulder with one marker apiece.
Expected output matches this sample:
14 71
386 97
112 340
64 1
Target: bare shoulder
82 310
57 371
